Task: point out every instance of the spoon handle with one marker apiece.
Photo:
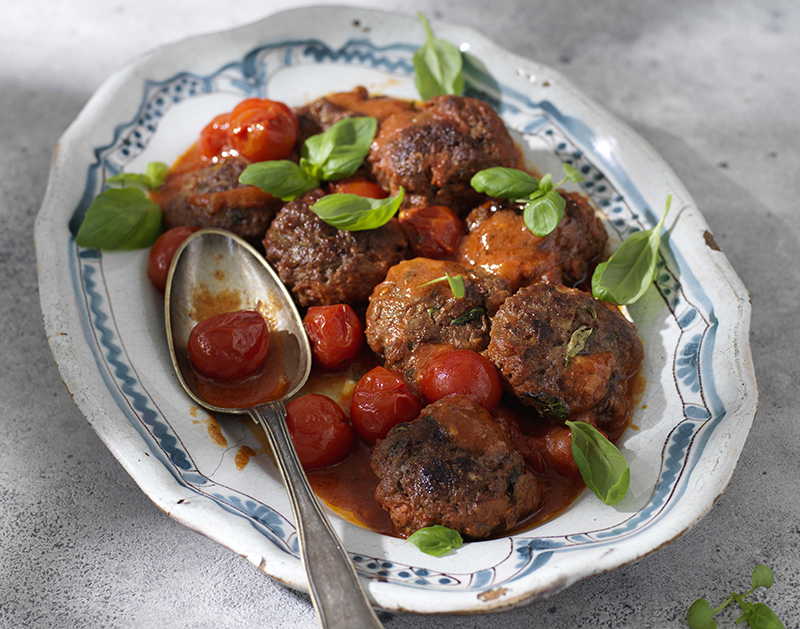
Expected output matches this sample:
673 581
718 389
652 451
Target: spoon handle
335 589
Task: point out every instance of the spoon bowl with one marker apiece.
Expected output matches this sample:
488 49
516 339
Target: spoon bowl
215 271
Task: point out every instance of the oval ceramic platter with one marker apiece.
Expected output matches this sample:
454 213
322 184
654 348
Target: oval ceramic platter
105 322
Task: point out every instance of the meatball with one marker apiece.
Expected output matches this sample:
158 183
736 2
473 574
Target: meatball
456 467
213 197
567 354
323 265
411 313
434 153
498 242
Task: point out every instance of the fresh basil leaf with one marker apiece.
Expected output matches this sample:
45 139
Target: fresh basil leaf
436 540
762 577
761 616
542 215
504 183
572 173
630 270
438 66
603 468
546 183
350 212
577 342
456 285
154 176
339 152
700 615
120 219
281 178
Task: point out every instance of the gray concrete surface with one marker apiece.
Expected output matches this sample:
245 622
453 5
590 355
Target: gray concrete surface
713 85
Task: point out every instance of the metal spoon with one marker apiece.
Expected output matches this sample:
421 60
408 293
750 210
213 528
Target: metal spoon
213 265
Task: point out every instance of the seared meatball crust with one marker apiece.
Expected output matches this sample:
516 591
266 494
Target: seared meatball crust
414 310
567 354
456 467
213 197
434 153
322 265
498 242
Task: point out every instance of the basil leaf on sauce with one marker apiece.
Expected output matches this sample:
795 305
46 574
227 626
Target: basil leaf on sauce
456 285
281 178
603 468
542 215
120 219
350 212
436 540
438 66
339 152
630 270
504 183
154 176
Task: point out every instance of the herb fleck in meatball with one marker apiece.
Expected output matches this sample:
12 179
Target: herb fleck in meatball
453 466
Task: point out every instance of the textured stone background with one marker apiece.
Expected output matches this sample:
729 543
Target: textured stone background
713 85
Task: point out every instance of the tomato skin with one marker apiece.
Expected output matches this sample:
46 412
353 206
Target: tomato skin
336 335
380 401
230 346
464 372
360 186
320 431
215 138
432 231
262 129
162 252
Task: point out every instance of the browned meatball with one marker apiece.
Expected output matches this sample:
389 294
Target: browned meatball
456 467
213 197
323 265
566 354
499 243
409 312
434 153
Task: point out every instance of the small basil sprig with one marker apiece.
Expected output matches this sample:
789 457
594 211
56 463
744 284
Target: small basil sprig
630 270
438 66
757 615
544 206
602 466
124 218
350 212
456 284
436 540
332 155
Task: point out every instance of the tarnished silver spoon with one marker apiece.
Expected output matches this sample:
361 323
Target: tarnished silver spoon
214 271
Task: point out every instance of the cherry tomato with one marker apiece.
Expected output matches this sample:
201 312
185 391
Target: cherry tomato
360 186
432 231
557 452
162 252
263 129
381 401
464 372
335 333
319 428
230 346
215 138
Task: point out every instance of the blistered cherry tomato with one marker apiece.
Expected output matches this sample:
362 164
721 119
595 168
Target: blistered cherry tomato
162 252
335 333
320 431
215 138
380 401
263 129
229 346
360 186
464 372
432 231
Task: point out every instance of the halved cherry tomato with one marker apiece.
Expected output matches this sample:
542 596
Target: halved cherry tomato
432 231
229 346
360 186
215 138
380 401
464 372
162 252
320 431
335 333
263 129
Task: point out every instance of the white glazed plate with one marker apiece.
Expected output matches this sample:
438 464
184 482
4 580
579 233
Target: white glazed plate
105 322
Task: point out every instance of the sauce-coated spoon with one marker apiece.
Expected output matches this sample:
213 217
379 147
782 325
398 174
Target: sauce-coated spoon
215 271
